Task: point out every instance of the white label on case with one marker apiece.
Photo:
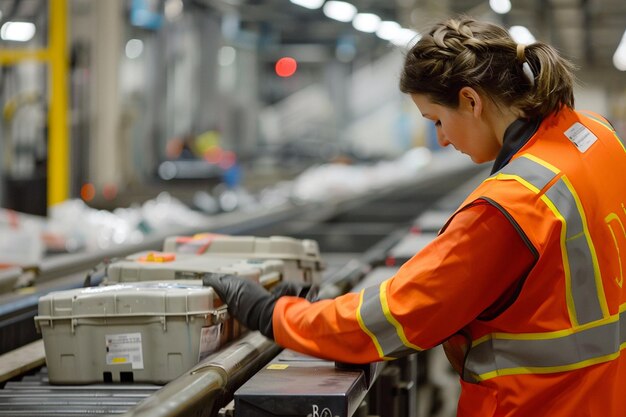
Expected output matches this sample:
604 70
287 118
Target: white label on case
124 348
209 341
580 136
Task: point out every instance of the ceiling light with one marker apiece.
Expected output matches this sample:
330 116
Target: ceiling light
521 34
339 10
366 22
406 38
134 48
309 4
17 31
388 30
500 6
619 57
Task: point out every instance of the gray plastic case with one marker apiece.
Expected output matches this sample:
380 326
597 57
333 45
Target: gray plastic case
142 332
302 259
176 266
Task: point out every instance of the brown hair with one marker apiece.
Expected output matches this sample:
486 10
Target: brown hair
465 52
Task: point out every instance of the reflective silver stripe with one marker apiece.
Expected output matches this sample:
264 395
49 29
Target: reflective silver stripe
580 260
501 356
536 174
583 285
608 126
374 319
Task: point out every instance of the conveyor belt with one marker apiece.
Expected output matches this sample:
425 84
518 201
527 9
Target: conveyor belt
33 396
202 388
344 270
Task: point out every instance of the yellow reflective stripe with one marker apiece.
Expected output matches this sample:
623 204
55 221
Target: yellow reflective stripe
391 319
619 140
596 266
510 351
597 275
549 335
568 286
359 318
515 178
571 310
485 338
549 369
547 352
608 126
595 119
542 162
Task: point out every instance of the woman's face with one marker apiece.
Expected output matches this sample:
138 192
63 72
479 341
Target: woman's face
465 128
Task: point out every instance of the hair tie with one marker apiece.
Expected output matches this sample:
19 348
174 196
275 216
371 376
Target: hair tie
521 58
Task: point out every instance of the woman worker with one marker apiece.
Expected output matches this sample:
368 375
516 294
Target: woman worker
523 285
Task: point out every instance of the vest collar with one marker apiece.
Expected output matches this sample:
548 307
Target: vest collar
515 136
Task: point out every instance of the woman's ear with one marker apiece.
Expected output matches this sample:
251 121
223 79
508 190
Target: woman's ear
470 100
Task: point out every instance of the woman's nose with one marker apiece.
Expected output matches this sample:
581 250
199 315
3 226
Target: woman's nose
441 139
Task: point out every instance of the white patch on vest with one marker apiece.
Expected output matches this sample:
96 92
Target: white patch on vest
580 136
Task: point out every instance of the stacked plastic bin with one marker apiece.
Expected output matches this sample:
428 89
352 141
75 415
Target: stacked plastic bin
152 319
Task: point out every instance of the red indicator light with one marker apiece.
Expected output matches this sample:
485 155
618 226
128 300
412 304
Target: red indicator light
286 67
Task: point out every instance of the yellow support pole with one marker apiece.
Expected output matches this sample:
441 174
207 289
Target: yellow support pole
58 120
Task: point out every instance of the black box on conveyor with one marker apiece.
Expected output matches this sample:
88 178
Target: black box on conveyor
297 385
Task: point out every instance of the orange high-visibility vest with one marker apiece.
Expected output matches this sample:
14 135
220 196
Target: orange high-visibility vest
557 349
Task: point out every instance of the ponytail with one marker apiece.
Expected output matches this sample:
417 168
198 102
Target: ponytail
554 81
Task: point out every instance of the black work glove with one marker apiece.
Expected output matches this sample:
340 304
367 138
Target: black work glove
295 290
247 301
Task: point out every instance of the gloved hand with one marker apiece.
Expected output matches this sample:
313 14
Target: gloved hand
249 302
296 290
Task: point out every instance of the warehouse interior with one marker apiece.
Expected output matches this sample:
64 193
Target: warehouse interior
126 123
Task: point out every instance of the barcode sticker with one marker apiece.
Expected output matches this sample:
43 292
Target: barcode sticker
580 136
124 348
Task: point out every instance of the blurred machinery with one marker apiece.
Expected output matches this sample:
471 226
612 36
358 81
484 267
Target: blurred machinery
25 153
138 76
